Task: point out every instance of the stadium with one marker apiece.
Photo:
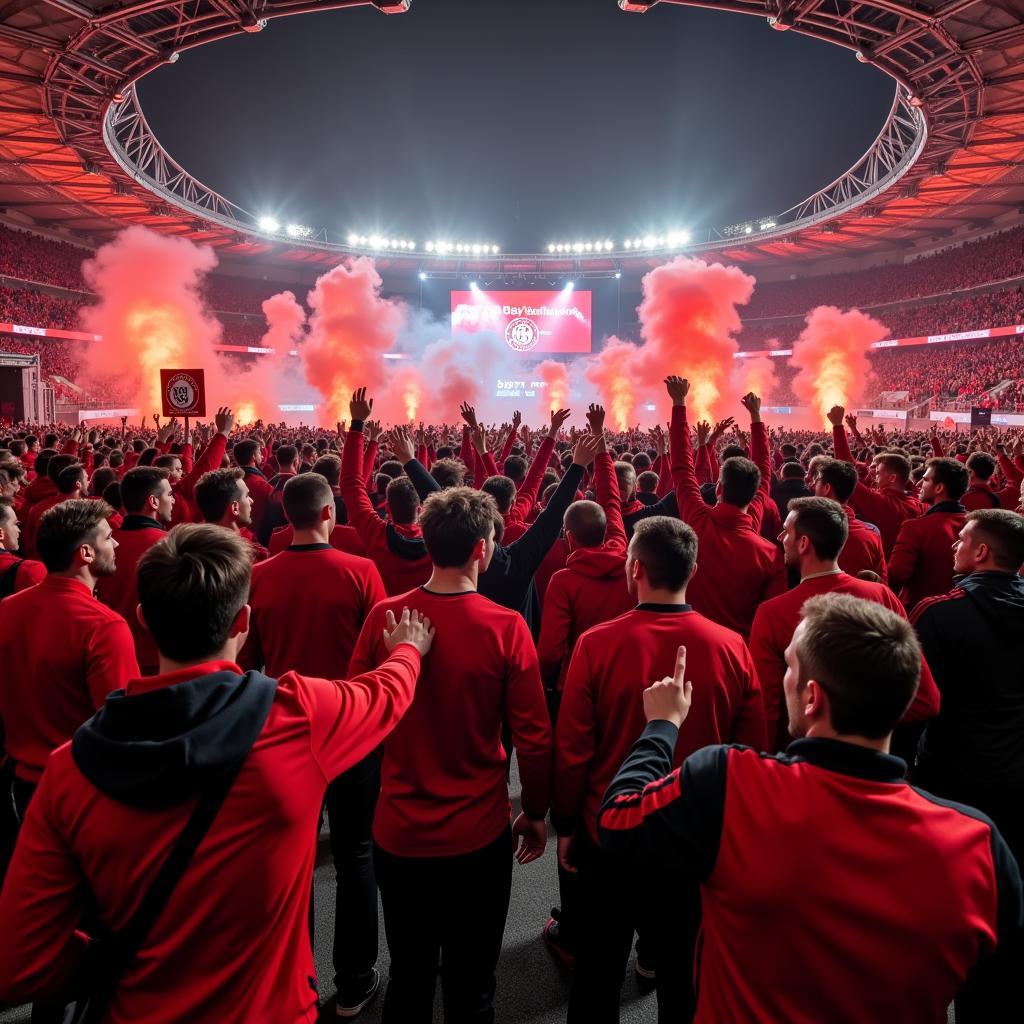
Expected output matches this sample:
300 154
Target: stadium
875 319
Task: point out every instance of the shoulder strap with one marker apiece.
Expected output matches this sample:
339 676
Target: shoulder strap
117 951
9 578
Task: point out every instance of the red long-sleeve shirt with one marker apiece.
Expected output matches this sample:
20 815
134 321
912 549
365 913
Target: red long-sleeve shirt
259 490
736 569
185 510
887 507
232 945
516 522
774 626
61 653
602 711
308 604
443 777
863 548
590 589
921 563
398 553
136 535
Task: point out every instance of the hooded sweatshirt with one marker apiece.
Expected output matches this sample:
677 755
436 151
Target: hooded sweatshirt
232 944
973 637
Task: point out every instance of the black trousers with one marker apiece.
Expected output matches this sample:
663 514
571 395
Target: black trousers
350 802
445 915
615 900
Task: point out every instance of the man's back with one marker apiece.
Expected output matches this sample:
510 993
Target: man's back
601 714
863 548
443 777
831 889
736 569
974 637
308 605
61 653
591 589
233 941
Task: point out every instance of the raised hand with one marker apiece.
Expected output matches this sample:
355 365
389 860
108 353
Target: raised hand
752 403
360 407
669 698
586 448
373 430
225 420
595 417
517 420
835 415
678 389
703 431
851 422
401 445
412 628
558 418
479 439
468 413
721 427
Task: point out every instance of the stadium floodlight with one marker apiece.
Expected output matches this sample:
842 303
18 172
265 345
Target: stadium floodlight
353 239
628 244
608 246
766 225
476 249
269 224
423 276
618 274
412 246
649 241
495 250
748 229
472 286
298 231
569 285
430 246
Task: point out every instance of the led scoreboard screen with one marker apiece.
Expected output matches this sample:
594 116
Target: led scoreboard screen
528 322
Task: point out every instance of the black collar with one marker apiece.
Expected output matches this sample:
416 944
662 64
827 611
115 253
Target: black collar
455 593
650 606
849 759
946 506
136 522
309 547
253 471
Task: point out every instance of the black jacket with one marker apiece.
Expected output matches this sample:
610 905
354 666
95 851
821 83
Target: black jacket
973 638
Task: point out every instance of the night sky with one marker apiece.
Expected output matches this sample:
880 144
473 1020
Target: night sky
516 122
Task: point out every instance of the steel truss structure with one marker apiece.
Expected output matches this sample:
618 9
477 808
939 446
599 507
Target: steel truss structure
76 150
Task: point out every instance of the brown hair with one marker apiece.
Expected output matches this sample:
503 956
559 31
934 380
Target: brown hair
866 658
1003 531
823 522
667 549
64 528
304 497
454 521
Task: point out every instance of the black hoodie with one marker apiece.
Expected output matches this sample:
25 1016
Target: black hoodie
973 639
160 747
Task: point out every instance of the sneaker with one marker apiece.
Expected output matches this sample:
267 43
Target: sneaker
644 971
562 955
353 1003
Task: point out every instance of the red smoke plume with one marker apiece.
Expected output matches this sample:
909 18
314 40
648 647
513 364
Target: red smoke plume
688 318
612 372
350 328
150 313
757 375
831 355
556 394
273 378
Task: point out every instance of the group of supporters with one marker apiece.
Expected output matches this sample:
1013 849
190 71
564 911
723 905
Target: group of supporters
765 688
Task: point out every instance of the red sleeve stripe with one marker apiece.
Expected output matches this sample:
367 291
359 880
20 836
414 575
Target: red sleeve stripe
629 810
922 606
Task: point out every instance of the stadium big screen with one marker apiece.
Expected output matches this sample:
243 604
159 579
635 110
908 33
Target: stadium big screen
533 325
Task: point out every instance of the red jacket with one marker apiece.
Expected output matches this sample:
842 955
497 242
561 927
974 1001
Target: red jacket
233 943
259 490
398 553
886 508
774 626
591 588
736 569
62 652
185 510
555 559
602 710
31 520
41 487
921 563
27 574
343 538
863 548
980 496
120 591
517 520
308 605
444 788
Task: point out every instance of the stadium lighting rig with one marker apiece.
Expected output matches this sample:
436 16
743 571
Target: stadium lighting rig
381 243
669 240
580 247
445 248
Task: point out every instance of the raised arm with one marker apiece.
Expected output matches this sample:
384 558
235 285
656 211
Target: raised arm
212 455
606 483
361 513
761 454
691 505
526 497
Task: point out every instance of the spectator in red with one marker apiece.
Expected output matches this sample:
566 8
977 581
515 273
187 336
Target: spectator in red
15 573
222 498
256 753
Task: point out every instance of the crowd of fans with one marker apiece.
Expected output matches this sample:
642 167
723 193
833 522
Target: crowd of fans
997 258
175 600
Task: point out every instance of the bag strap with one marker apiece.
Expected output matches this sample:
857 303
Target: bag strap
124 945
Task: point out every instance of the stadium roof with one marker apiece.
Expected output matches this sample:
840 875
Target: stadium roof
76 151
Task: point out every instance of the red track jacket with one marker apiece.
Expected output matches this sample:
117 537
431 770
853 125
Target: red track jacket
921 563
